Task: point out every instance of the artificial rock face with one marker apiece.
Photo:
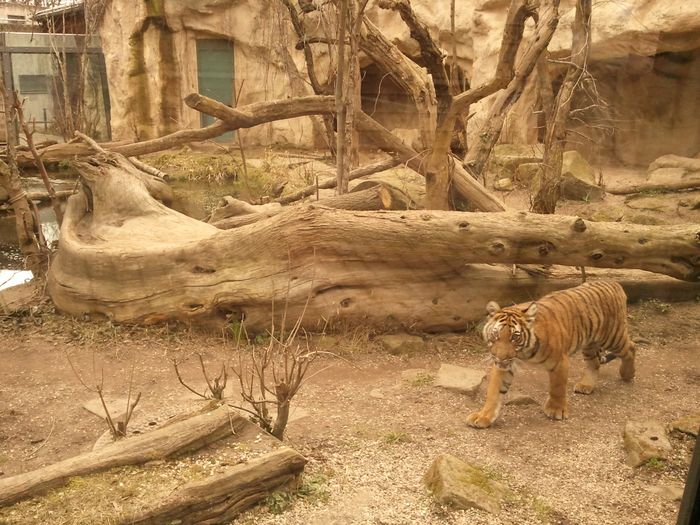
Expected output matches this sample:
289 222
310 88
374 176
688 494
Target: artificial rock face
645 57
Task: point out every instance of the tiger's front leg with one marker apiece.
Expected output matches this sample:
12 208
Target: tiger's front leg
556 406
499 383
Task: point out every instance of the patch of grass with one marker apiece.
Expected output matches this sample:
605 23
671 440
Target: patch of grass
656 306
314 488
481 477
395 437
279 501
311 488
656 464
543 510
422 379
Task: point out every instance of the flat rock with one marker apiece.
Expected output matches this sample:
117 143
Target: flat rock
688 424
519 399
400 344
459 378
116 407
670 492
462 485
645 440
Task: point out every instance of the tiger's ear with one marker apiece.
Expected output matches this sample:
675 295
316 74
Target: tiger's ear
492 307
530 313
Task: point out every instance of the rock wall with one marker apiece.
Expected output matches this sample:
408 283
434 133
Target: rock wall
151 56
645 57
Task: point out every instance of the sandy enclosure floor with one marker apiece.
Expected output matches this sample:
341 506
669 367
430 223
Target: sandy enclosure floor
369 435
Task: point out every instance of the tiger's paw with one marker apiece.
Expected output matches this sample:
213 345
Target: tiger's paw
556 410
479 420
583 388
627 370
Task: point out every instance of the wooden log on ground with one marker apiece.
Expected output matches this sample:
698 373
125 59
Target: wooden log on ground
222 497
133 260
177 438
377 197
691 183
357 173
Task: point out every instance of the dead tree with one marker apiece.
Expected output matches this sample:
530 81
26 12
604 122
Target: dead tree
31 243
29 130
545 201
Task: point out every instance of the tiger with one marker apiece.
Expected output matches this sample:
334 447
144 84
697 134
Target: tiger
591 317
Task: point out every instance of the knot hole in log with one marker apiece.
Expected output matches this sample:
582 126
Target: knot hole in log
579 225
463 226
497 248
546 247
597 255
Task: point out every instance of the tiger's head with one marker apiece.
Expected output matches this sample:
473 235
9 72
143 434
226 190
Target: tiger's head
509 333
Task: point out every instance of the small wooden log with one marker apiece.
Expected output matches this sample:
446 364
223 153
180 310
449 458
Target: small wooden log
183 436
332 182
378 197
220 498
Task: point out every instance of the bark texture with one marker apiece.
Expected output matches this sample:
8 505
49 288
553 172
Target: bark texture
120 258
222 497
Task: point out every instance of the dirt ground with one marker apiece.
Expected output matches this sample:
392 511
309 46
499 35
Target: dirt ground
370 436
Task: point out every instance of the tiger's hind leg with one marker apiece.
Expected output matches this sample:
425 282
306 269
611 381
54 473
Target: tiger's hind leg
627 355
587 383
626 352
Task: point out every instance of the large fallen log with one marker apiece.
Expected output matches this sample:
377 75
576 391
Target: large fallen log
221 497
132 259
183 436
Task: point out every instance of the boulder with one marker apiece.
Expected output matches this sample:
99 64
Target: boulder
645 440
459 379
578 180
575 189
459 484
505 184
505 158
666 176
578 167
401 344
525 173
688 424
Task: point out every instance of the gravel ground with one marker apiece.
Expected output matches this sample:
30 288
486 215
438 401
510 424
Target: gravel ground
370 436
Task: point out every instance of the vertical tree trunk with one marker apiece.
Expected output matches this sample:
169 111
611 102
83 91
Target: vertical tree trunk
545 201
340 100
478 155
25 223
